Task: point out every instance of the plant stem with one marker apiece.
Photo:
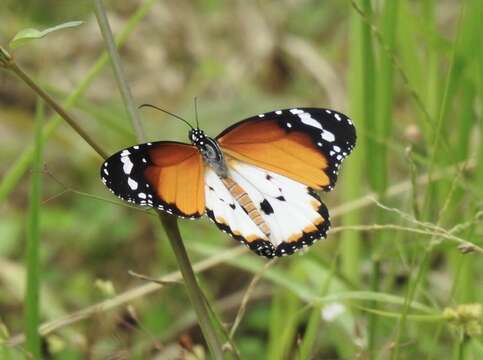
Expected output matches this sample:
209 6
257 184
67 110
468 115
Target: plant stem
117 67
58 108
32 296
194 292
169 222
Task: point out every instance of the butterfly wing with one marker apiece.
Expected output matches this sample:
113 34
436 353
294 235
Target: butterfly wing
164 175
278 159
304 144
294 213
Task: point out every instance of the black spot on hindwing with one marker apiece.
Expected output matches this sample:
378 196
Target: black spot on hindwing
266 207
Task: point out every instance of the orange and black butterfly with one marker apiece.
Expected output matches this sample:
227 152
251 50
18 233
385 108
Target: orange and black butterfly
256 180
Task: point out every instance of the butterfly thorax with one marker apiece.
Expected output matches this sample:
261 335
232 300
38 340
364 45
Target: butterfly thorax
213 156
210 151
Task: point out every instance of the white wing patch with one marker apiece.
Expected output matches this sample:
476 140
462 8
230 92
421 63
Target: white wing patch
294 213
226 212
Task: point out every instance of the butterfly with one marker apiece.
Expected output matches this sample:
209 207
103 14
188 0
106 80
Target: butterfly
256 181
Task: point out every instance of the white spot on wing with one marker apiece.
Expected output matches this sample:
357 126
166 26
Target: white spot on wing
307 119
142 195
328 136
127 164
133 184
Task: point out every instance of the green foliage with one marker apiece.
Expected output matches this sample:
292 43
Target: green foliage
32 293
27 35
411 74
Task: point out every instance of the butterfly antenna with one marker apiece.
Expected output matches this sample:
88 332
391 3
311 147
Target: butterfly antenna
167 112
196 112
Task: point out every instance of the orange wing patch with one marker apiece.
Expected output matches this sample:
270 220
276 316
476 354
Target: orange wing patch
177 175
263 143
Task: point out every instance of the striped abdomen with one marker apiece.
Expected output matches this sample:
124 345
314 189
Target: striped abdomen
247 204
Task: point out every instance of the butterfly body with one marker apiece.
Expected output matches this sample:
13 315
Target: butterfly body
255 181
210 150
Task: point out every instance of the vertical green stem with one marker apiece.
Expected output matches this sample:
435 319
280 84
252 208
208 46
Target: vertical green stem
382 128
169 222
353 171
118 70
194 292
33 231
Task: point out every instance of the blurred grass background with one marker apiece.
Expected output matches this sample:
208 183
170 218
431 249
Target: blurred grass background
410 74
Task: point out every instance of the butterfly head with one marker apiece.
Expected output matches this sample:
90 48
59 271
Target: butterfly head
210 150
197 137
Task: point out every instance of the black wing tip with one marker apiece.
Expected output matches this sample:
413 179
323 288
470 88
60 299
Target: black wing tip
332 132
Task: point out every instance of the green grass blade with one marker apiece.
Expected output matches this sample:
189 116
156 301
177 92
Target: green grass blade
308 342
477 9
385 98
353 169
378 163
32 298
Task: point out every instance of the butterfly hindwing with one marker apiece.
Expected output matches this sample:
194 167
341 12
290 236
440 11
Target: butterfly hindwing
294 213
305 144
164 175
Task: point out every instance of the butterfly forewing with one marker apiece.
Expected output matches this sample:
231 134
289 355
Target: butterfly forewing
164 175
304 144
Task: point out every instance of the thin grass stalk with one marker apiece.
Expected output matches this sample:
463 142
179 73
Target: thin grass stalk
194 293
21 164
409 47
307 346
32 293
479 76
170 223
385 95
467 120
413 285
103 22
378 163
431 67
461 346
439 157
353 170
369 93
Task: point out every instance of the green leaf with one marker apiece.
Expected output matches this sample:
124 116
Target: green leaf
26 35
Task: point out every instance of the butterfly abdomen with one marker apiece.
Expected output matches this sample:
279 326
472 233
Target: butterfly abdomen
247 204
